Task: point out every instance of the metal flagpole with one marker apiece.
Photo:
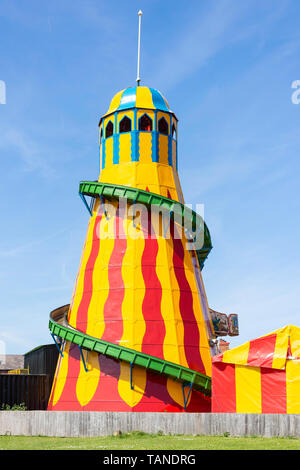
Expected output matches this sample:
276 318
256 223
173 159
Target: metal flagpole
138 79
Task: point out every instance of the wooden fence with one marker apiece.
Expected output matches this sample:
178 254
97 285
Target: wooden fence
32 390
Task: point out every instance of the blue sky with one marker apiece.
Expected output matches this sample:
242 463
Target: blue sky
226 68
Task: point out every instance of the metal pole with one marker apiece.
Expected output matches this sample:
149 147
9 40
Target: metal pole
139 49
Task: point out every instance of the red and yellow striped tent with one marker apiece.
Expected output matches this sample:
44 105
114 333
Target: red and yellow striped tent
260 376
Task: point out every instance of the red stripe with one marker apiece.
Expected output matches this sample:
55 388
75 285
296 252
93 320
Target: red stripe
151 308
273 391
261 351
112 311
82 313
223 388
106 396
191 330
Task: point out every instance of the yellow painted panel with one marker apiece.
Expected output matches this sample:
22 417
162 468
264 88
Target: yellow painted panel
87 382
125 148
293 386
237 355
203 342
144 98
166 179
280 351
163 144
145 147
109 146
101 157
61 374
147 176
115 102
248 389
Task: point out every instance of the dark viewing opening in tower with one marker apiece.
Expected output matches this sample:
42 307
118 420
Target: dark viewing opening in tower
145 123
163 127
125 125
109 130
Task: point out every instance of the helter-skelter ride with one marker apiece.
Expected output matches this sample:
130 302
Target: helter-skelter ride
138 334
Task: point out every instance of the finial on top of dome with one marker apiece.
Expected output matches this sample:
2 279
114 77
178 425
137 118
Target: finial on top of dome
138 79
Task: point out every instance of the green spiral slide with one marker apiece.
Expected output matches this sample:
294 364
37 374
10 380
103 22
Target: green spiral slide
60 328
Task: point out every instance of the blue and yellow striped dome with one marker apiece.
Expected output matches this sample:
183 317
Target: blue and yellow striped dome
138 97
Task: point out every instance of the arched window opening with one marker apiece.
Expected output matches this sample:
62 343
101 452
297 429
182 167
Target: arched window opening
145 123
163 127
125 125
174 132
109 130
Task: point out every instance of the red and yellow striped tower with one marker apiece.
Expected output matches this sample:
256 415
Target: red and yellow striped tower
136 287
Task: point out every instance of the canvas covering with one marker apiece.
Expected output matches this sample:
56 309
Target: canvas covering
260 376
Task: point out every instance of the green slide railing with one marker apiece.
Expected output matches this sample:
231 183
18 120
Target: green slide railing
177 211
60 327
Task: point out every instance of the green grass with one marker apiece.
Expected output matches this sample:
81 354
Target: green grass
141 441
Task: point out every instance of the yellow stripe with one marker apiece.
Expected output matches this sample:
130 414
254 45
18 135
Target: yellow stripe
237 355
163 145
280 350
87 382
109 147
293 386
61 374
80 283
115 102
248 389
134 326
95 325
144 98
295 341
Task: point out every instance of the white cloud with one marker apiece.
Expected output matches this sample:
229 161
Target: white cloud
31 154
